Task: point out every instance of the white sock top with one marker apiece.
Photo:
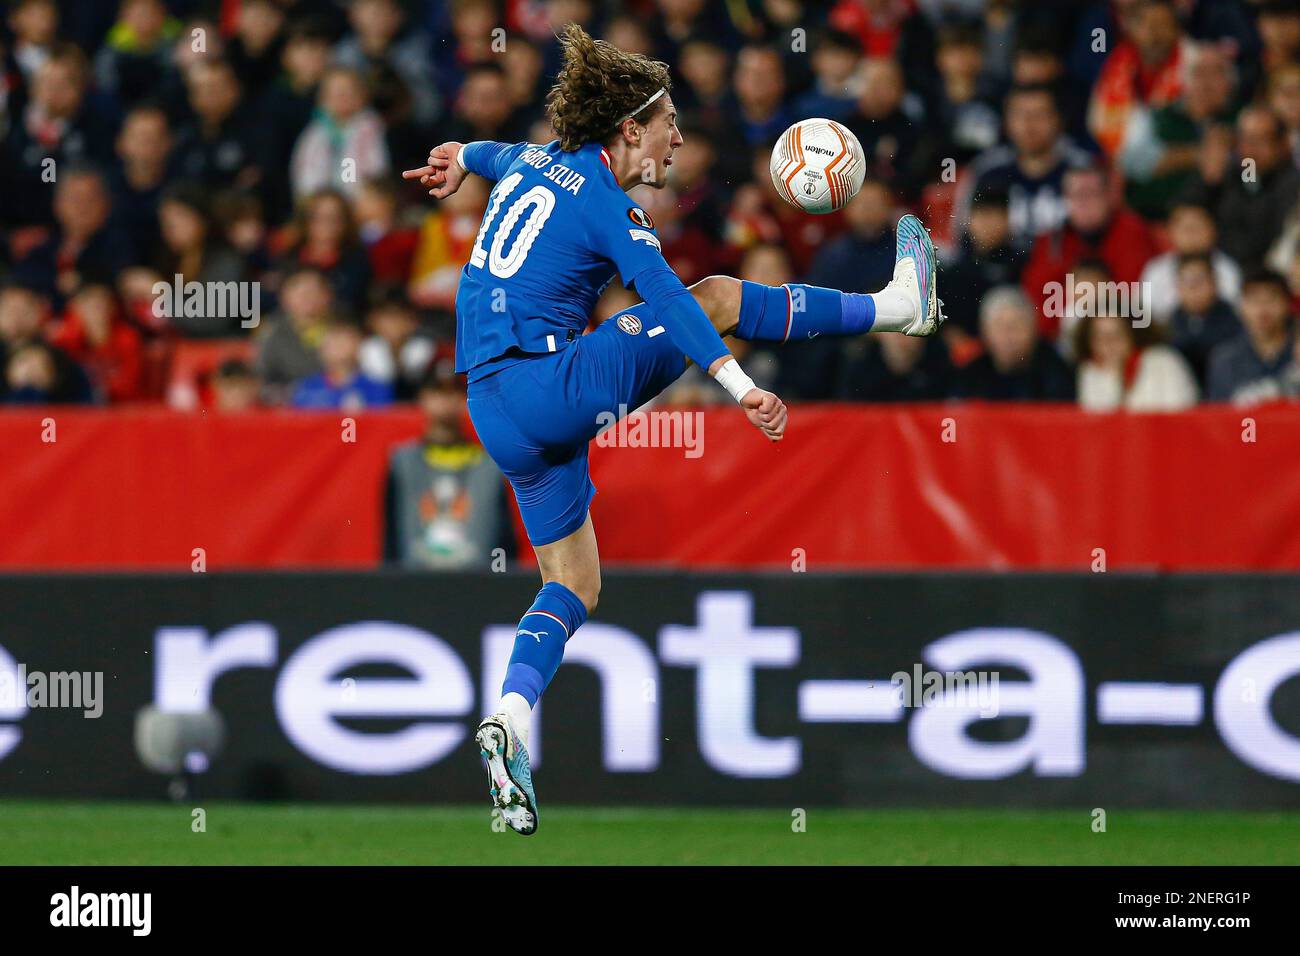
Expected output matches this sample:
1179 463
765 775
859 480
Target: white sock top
515 706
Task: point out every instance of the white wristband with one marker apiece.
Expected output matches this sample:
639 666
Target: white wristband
734 380
459 161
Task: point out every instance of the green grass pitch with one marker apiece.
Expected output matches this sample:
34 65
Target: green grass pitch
237 833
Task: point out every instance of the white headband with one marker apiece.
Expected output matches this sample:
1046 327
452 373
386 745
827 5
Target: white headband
642 107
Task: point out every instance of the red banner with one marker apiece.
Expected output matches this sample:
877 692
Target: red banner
935 486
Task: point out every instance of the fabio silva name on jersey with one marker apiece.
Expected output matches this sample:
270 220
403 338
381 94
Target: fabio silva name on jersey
558 227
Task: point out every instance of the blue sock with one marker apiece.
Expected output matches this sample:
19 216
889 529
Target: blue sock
788 313
539 641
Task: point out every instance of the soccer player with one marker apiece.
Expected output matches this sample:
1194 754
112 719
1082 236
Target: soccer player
558 226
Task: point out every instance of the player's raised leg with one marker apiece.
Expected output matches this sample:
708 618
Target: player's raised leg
793 312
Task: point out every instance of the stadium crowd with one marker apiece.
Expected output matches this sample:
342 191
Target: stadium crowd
1113 184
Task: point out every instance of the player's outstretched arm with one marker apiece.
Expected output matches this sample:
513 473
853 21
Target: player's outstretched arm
450 163
443 172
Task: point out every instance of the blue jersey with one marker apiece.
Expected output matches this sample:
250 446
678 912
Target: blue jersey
557 228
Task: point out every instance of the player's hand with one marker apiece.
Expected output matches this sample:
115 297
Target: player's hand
442 174
766 412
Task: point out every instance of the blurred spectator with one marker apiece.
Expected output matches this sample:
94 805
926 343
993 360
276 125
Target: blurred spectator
31 376
1097 227
702 89
1283 97
1202 319
554 15
140 175
242 224
679 20
1253 194
836 57
523 66
135 60
84 245
888 28
1192 231
896 368
34 25
469 41
1278 24
34 371
985 258
695 184
287 105
340 383
1122 367
483 108
94 334
324 236
394 56
396 353
1161 147
135 290
688 248
887 123
966 121
344 144
759 85
1090 291
1001 22
1035 61
254 50
288 343
390 244
1143 71
446 500
59 127
193 249
219 147
446 238
1031 168
1016 364
628 33
1242 368
235 387
201 40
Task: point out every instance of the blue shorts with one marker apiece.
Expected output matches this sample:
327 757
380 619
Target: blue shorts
537 417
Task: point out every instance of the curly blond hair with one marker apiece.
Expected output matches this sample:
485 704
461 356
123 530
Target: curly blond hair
598 86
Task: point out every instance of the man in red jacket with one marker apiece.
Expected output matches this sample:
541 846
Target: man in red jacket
1097 226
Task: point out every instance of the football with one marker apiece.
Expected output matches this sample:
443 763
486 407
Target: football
817 165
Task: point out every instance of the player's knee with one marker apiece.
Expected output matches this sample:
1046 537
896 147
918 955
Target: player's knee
719 297
589 593
585 587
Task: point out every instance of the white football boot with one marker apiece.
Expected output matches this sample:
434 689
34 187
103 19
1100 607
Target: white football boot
510 778
915 268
